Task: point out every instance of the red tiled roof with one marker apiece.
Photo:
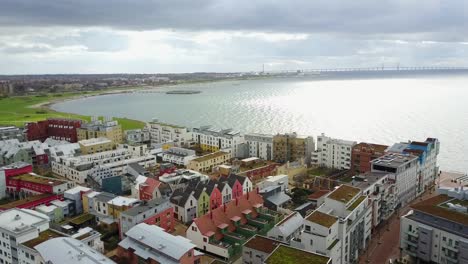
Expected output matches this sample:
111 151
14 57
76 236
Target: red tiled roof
222 216
150 185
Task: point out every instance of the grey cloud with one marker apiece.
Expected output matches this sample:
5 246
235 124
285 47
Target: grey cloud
339 16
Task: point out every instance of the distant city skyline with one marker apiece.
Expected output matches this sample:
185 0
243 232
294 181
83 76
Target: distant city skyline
47 37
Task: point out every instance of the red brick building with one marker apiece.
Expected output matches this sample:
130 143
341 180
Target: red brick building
362 154
60 129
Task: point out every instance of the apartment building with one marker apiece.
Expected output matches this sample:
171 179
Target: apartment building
137 136
55 128
78 168
106 128
382 194
403 169
32 184
260 145
208 162
362 154
292 147
427 152
340 228
71 251
213 139
154 212
18 226
11 132
436 229
333 153
178 156
163 133
95 145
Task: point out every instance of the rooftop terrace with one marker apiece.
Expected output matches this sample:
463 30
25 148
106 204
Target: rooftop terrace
288 255
322 219
210 156
344 193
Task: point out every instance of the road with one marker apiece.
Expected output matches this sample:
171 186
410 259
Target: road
385 242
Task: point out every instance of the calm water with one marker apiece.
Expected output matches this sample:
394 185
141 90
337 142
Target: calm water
380 110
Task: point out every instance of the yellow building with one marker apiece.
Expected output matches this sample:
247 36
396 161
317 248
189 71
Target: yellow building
208 162
292 147
95 145
120 204
98 128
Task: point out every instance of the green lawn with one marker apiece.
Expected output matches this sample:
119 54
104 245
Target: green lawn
18 110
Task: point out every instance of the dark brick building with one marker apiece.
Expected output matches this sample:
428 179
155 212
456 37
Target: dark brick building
60 129
362 154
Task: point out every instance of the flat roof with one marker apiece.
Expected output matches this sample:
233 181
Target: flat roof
71 251
43 236
344 193
39 179
322 219
437 206
94 141
21 202
210 156
136 210
289 255
356 203
263 244
121 201
20 220
394 160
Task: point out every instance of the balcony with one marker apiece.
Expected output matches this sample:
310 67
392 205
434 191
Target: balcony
412 233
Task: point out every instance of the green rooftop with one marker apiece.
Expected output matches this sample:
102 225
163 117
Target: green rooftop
288 255
81 219
344 193
356 203
43 236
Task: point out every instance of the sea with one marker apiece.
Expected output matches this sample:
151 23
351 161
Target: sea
376 107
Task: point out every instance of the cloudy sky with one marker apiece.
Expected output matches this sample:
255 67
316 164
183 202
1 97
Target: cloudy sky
149 36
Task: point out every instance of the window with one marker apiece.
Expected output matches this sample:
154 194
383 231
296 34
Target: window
307 228
311 242
194 228
205 239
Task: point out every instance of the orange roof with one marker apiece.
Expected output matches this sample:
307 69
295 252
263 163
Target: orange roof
150 185
208 223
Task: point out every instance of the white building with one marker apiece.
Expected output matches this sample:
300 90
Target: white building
288 229
260 145
382 194
215 139
333 153
403 170
137 136
278 180
19 226
340 228
179 179
427 153
179 156
78 168
90 237
71 251
75 194
436 229
164 133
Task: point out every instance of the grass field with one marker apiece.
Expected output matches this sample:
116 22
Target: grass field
19 110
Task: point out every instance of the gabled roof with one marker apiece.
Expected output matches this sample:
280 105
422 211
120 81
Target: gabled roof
225 214
180 196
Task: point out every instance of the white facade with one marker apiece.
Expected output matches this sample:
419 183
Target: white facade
260 145
179 156
278 180
136 136
215 139
403 170
340 228
19 226
78 168
164 133
288 229
333 153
